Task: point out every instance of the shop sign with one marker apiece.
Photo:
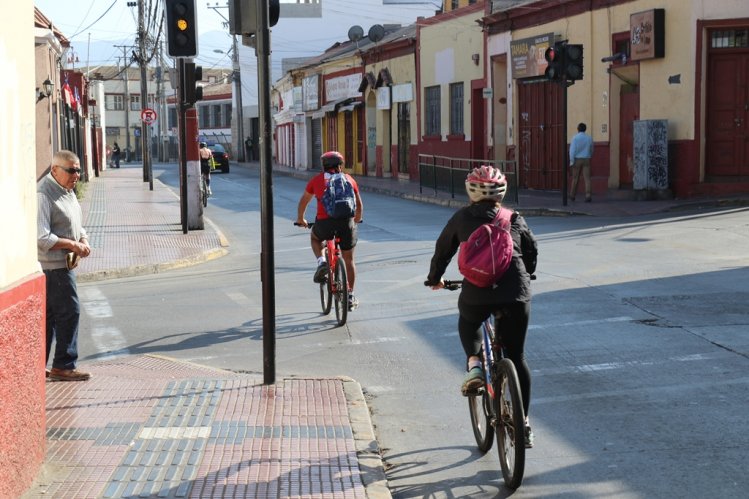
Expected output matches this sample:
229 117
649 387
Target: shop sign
527 55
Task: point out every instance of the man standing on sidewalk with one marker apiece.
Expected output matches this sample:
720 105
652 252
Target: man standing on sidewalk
61 242
581 150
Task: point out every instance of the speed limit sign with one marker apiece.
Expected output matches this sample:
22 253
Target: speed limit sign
148 115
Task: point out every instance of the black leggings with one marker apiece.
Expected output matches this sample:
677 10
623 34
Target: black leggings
512 327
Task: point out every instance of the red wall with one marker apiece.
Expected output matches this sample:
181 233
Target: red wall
22 403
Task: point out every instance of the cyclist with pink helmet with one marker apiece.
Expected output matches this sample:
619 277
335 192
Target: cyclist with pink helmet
325 227
508 300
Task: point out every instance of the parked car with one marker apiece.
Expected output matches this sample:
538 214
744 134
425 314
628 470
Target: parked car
220 156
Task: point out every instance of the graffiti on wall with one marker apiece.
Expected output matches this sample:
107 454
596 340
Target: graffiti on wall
650 154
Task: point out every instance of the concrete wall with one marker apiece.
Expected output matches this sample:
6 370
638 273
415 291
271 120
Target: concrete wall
22 423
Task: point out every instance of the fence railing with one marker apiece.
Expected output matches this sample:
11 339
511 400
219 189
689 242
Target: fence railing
446 174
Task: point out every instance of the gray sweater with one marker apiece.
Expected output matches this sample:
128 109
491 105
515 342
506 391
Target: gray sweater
58 216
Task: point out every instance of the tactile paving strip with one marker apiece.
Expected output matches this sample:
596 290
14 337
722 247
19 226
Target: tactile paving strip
201 433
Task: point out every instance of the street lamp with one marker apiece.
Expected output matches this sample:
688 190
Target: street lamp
45 91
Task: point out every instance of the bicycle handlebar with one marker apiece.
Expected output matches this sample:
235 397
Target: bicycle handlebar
454 285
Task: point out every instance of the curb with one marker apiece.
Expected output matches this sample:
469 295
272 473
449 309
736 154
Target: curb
367 449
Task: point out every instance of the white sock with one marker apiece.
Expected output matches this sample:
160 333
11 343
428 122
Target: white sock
474 363
321 260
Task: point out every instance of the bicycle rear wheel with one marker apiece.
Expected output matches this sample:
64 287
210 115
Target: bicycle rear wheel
510 423
480 407
341 292
203 192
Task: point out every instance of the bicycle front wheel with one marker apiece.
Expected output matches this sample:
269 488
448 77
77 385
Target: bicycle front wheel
480 407
510 427
326 291
341 292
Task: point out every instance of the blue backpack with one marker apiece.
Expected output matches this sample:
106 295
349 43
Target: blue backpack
338 199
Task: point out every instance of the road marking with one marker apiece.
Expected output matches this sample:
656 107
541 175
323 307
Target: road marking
607 366
107 338
382 339
581 323
240 299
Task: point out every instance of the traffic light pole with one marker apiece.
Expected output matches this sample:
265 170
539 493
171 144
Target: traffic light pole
182 112
565 160
262 50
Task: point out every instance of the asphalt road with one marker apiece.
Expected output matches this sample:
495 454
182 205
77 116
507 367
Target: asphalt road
639 342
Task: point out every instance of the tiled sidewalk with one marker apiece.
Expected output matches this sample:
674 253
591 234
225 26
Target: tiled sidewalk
155 427
134 230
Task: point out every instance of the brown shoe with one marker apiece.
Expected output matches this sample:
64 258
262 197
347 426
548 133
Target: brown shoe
68 375
46 375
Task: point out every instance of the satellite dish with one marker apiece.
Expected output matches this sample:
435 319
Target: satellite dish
376 33
355 33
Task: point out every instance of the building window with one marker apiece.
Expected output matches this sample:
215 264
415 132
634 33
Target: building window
113 102
172 117
454 4
227 116
432 110
112 131
729 39
204 115
135 102
456 108
216 116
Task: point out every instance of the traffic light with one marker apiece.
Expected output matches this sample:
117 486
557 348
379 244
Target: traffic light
573 62
243 16
555 62
181 28
190 91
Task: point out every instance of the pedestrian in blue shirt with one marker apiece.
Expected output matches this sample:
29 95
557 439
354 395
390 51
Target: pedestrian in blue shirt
581 150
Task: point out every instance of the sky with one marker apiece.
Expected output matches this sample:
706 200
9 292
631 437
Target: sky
96 26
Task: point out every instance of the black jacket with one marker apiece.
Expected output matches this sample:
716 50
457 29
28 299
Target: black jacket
514 286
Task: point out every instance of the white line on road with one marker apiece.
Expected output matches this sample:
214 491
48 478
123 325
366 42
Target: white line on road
581 323
107 338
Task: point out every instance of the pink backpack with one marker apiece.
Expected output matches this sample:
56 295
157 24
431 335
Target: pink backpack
487 253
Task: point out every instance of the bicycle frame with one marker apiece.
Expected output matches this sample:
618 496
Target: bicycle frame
488 359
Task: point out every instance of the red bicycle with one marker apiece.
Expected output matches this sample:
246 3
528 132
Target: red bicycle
334 289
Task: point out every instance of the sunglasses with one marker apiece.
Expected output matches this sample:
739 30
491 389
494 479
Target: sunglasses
70 170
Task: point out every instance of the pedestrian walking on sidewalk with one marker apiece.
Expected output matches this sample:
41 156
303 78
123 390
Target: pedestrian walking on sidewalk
581 150
61 242
116 155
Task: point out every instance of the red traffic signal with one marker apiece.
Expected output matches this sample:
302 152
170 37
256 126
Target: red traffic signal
554 56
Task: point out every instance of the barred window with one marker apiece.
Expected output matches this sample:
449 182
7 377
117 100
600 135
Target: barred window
456 108
135 102
432 116
204 116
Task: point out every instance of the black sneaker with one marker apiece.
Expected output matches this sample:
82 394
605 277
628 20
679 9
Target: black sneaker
321 274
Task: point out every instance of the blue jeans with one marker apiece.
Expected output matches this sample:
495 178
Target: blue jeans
63 314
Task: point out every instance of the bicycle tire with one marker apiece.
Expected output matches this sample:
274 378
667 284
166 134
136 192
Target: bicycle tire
326 291
482 414
203 192
510 426
341 292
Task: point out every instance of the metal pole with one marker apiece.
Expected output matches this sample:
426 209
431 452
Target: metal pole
237 77
565 161
181 114
262 50
144 128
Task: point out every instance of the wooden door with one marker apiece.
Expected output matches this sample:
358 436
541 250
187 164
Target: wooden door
542 144
478 123
727 134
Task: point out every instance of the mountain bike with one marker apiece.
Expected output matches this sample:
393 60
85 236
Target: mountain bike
334 290
497 407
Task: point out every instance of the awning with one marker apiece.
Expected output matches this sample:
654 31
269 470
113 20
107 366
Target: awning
349 107
330 106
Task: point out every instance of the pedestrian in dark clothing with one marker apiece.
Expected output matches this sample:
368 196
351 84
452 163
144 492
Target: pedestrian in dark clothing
116 155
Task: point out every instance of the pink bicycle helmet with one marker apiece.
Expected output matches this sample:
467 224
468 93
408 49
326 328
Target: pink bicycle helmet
486 182
331 160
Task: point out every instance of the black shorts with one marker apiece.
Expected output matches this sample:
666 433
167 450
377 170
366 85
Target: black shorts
345 228
205 166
